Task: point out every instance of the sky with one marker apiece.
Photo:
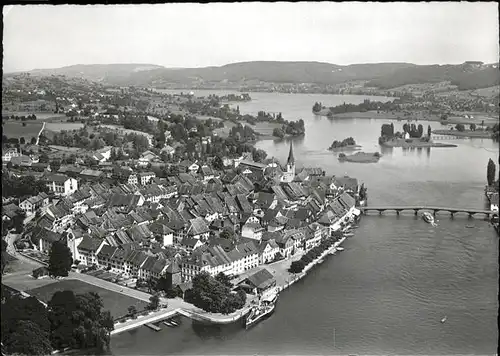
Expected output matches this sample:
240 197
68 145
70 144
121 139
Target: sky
200 35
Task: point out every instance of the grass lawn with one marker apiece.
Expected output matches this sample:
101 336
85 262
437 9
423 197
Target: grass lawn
15 129
116 303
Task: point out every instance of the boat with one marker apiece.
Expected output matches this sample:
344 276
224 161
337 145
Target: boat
444 319
263 309
173 322
340 248
469 226
349 234
428 217
168 323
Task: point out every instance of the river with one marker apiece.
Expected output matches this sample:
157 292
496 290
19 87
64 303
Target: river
398 276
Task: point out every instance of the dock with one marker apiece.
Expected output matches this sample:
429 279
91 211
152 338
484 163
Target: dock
153 326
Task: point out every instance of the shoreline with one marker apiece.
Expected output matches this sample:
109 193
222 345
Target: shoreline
419 144
468 133
215 318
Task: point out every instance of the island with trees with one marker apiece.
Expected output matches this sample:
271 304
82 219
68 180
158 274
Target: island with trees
344 145
412 136
290 129
360 157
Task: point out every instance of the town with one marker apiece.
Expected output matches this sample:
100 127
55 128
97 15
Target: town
153 204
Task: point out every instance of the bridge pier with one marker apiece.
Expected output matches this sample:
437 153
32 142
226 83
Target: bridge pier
397 212
416 211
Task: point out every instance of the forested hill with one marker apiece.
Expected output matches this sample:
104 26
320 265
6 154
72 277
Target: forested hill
381 75
463 76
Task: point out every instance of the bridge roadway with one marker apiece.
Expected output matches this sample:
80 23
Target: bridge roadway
434 209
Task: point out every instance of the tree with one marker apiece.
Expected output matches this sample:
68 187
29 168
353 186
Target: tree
473 127
420 130
297 266
78 321
4 255
259 155
25 326
429 131
490 173
217 163
224 279
154 302
33 140
278 132
460 127
227 234
55 165
60 260
22 141
132 311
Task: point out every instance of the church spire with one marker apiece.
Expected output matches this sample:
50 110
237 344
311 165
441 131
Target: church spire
291 159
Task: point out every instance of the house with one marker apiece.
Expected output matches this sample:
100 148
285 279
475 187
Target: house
92 175
168 150
9 153
88 249
162 233
249 255
314 234
494 202
31 205
146 158
198 229
43 239
61 184
252 230
193 168
285 244
145 177
98 157
206 173
21 161
191 244
267 251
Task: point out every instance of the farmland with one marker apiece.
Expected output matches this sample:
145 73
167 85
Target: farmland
16 129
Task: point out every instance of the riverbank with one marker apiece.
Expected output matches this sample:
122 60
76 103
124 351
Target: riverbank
361 157
466 133
414 144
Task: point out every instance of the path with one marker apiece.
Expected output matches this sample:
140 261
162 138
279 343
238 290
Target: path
41 130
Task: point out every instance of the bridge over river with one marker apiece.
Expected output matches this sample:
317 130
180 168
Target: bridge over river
433 209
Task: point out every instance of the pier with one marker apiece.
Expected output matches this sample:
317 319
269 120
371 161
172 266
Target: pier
434 209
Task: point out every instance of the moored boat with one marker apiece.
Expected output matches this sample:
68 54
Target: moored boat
340 248
263 309
428 217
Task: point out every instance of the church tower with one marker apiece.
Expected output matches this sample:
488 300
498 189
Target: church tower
289 175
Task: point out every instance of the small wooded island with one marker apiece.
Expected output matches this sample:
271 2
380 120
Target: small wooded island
412 136
344 145
360 157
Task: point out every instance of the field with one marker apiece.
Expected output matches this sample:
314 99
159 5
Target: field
18 276
39 115
15 129
116 303
60 126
